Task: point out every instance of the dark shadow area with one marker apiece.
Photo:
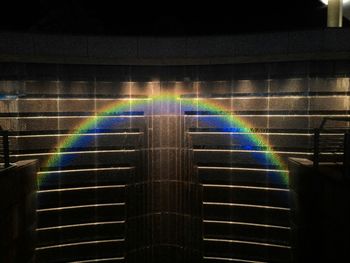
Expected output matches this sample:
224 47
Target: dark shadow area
162 19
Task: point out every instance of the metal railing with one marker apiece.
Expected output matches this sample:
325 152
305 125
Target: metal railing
332 144
5 148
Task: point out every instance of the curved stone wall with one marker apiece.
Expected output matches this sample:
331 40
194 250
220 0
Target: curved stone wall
122 198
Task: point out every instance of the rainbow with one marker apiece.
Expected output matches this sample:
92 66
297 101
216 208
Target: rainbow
121 105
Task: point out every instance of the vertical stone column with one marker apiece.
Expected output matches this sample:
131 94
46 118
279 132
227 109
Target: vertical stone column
163 220
18 220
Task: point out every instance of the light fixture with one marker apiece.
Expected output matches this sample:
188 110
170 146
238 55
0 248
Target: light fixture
336 11
326 1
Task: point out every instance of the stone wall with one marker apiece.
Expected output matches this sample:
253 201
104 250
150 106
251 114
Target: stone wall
87 207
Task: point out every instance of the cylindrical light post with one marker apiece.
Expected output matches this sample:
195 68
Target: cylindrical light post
335 13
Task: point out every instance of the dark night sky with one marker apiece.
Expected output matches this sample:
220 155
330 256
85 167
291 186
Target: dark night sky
162 18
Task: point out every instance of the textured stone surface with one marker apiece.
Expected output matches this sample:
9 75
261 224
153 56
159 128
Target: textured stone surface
111 47
170 47
299 45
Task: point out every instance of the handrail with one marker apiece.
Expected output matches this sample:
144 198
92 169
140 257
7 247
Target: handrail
340 119
337 145
5 147
347 155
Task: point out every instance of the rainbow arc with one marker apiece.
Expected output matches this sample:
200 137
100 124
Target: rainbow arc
120 107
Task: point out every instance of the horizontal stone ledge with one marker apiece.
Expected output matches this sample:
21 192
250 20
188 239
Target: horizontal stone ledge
187 50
